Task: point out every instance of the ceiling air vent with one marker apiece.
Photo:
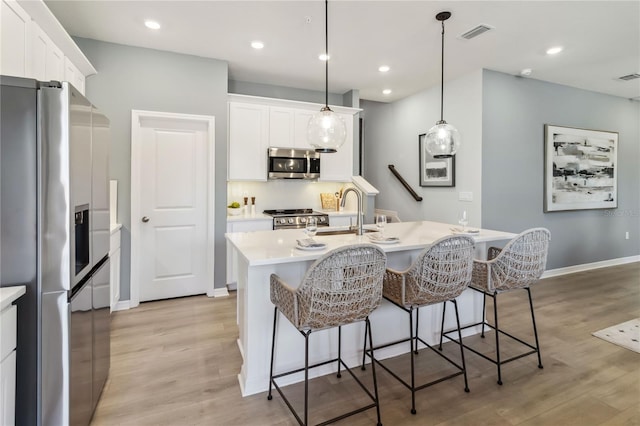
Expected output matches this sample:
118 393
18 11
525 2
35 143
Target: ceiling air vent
476 31
629 77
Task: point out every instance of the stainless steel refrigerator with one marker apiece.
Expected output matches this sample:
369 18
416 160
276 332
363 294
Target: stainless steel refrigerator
54 222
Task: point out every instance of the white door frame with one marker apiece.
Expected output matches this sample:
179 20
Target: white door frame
136 186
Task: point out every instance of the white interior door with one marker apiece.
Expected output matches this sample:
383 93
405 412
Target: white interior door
173 207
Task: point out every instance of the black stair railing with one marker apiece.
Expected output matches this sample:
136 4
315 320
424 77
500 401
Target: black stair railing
404 183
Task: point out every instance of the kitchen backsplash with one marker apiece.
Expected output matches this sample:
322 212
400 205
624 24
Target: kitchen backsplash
285 194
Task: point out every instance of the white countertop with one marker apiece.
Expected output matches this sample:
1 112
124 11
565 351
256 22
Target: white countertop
9 294
274 247
262 216
244 218
340 213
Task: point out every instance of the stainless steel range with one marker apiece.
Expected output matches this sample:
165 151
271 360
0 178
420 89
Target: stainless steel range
295 218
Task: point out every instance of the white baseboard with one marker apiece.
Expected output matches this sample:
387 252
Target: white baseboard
220 292
232 286
589 266
122 305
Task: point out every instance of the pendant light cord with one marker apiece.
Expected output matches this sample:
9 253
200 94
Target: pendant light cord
442 78
326 52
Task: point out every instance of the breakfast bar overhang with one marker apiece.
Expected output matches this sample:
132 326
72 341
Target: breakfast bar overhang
259 254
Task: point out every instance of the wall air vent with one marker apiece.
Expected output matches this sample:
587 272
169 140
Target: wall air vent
476 31
629 77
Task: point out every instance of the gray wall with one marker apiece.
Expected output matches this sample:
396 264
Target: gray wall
136 78
391 137
515 111
501 119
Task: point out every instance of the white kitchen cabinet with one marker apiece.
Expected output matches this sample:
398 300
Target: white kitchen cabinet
248 141
48 60
28 48
300 129
8 389
15 33
73 75
8 342
281 127
338 166
288 127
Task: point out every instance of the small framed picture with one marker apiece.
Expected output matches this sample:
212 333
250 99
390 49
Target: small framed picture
435 171
580 169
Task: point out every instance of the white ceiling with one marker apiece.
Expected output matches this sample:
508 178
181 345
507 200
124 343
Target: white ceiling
601 40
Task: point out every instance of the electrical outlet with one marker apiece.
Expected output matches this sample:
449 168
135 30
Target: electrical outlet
465 196
626 235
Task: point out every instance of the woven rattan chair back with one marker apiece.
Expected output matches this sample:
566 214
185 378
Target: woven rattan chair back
341 287
440 273
521 262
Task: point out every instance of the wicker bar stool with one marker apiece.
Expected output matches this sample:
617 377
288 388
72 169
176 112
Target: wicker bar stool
518 265
439 274
342 287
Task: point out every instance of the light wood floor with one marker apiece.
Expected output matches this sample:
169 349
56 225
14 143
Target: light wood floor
175 362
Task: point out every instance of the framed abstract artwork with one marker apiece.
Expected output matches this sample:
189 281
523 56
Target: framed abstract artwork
580 169
435 171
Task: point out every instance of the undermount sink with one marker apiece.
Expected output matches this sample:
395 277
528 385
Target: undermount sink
321 232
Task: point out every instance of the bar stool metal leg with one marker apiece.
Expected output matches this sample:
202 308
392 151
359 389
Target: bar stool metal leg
373 369
535 330
306 377
364 345
413 376
417 329
484 313
464 366
444 310
339 350
273 347
497 331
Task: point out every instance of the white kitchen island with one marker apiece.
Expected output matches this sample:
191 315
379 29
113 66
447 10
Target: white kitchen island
261 253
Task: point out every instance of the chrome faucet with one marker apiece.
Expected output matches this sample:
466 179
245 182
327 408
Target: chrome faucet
359 218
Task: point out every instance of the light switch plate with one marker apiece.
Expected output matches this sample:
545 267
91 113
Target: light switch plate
465 196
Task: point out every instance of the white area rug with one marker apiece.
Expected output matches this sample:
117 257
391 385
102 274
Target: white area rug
626 334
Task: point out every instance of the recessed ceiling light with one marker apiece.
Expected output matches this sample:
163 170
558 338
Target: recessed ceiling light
384 68
257 44
386 92
324 57
554 50
153 25
525 72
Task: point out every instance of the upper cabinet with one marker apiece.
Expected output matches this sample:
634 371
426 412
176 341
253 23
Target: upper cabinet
282 127
338 166
248 141
16 39
48 59
73 75
256 123
288 127
34 45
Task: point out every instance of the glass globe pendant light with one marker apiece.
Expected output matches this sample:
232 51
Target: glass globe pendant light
443 140
326 130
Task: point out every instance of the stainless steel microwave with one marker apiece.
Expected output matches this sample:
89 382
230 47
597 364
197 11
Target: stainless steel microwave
291 163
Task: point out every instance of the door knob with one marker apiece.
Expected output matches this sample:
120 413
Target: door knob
145 219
